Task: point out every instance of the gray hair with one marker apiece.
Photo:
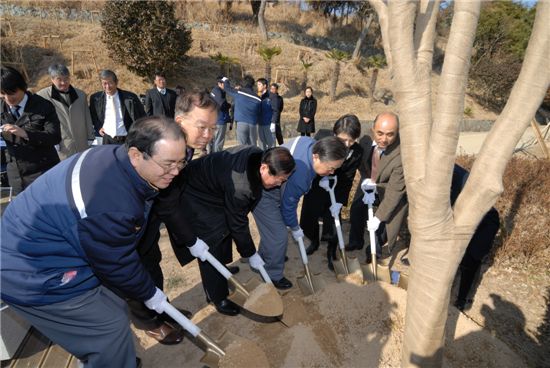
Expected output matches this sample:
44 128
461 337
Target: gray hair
58 70
108 74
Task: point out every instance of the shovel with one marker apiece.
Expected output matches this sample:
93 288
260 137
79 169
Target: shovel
308 283
214 350
347 265
259 298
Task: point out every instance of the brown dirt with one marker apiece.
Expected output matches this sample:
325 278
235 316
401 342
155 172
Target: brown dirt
242 353
264 300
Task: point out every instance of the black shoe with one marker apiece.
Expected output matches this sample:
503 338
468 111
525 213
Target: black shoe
165 317
326 237
233 269
286 258
138 362
282 284
227 307
331 255
312 248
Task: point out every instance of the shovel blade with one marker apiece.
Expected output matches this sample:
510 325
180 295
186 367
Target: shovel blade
353 267
308 288
258 298
215 350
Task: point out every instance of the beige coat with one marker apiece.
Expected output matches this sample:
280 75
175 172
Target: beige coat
76 122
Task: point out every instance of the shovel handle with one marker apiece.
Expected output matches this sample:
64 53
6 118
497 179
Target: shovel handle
218 265
302 251
265 276
182 320
372 237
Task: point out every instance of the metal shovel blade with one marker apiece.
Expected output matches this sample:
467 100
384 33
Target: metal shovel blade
383 272
257 297
347 265
308 283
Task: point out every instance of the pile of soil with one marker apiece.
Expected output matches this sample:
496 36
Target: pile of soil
343 325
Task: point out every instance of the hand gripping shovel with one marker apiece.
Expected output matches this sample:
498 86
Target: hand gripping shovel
262 299
347 265
369 188
214 350
308 283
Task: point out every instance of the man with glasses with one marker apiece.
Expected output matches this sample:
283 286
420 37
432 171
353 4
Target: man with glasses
196 114
69 249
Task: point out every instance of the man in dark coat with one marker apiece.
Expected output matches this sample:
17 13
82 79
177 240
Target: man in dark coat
277 105
160 100
219 95
30 130
114 110
218 193
317 202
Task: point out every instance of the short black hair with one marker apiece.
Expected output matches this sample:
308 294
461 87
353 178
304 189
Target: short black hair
147 131
11 80
275 85
279 160
160 73
194 98
330 149
262 81
348 124
248 81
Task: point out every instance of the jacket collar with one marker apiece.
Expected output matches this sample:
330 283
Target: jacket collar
56 95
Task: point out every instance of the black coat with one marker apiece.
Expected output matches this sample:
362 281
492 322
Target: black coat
132 108
161 105
308 108
28 159
277 105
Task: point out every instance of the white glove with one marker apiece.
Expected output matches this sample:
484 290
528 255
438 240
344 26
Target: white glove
335 209
373 224
298 233
368 185
224 79
272 127
256 261
157 302
369 197
199 250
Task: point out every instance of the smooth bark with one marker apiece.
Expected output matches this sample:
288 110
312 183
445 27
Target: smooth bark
261 20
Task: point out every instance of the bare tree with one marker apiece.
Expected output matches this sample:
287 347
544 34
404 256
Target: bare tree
367 14
261 20
337 56
429 137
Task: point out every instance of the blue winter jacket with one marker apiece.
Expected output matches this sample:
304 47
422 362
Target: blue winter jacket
266 112
61 238
247 104
299 183
218 95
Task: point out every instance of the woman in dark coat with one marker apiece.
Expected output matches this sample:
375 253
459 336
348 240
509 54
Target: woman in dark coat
317 203
308 108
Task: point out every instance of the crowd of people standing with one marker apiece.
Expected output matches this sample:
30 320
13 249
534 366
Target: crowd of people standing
80 239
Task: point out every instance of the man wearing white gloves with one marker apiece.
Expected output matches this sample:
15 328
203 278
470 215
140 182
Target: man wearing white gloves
69 243
383 166
277 210
217 192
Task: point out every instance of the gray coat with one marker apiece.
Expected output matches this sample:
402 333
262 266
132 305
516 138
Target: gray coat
76 123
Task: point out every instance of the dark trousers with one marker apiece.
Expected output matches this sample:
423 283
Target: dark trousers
214 284
480 245
359 214
279 134
107 139
150 255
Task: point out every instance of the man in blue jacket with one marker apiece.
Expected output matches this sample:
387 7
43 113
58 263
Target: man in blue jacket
247 110
266 113
219 95
68 243
312 158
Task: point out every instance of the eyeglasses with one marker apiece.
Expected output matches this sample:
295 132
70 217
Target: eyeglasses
167 167
204 129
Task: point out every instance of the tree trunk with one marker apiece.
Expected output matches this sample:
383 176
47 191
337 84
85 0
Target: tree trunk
373 80
268 71
439 233
382 11
362 36
255 5
304 81
261 20
334 81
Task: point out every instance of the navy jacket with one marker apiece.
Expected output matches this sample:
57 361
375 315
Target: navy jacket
247 104
218 95
56 246
266 112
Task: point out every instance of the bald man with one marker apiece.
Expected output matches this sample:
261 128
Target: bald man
382 164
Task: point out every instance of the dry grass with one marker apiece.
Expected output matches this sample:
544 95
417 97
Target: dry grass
524 208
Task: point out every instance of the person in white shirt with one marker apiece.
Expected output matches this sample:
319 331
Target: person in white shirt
114 110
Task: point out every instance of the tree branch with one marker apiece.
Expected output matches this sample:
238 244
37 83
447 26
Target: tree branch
485 181
382 10
424 34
